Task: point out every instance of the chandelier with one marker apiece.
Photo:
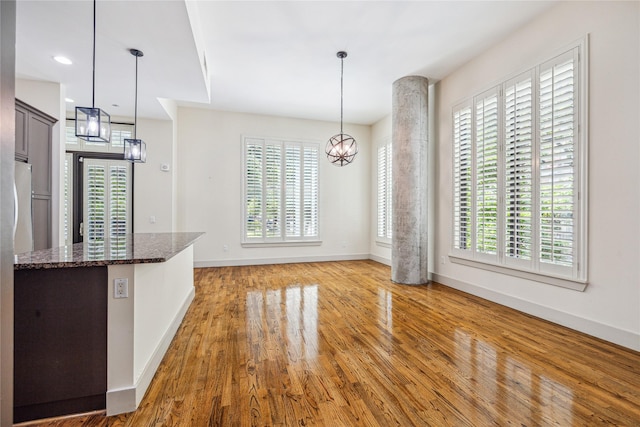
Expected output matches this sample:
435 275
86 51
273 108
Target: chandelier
341 149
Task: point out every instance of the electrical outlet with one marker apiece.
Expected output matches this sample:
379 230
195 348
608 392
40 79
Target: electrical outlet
225 248
121 288
442 259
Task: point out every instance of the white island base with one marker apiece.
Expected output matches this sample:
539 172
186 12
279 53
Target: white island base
140 327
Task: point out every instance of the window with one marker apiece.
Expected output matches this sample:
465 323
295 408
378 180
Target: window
384 191
519 173
97 189
119 131
280 191
107 203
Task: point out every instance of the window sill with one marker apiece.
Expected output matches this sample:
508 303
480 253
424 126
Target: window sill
289 243
383 243
575 285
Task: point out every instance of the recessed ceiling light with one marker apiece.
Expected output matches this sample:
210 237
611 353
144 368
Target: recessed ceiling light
63 60
69 100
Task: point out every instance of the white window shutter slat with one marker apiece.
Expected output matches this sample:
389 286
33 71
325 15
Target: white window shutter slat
281 190
310 191
293 190
462 184
556 154
518 140
486 166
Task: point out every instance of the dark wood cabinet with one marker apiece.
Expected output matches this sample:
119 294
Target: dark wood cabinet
34 131
22 147
60 349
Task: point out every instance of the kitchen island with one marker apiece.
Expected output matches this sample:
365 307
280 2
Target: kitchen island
93 321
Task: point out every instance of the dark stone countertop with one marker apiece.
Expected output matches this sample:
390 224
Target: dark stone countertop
135 248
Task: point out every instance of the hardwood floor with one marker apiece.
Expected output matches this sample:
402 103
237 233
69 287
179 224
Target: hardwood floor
339 344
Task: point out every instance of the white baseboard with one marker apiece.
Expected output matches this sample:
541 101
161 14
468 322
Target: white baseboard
609 333
381 260
287 260
606 332
127 399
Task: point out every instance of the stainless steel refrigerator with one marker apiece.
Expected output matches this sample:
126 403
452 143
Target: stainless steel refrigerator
23 224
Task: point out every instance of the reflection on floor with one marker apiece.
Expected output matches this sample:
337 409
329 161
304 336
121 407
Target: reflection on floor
339 344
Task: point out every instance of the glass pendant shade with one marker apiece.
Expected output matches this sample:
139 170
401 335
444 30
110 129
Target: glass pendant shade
341 149
135 150
93 124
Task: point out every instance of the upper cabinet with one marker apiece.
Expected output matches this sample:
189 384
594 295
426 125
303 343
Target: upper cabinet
22 143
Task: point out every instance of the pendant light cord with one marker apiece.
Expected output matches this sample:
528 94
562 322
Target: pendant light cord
135 109
341 91
93 86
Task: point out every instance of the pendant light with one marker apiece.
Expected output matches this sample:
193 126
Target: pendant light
135 150
341 149
93 124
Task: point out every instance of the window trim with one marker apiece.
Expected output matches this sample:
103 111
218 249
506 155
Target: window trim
281 241
384 241
578 278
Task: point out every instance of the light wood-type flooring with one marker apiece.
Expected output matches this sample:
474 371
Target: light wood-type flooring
339 344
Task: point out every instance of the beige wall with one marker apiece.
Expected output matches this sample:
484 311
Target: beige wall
608 308
154 192
210 187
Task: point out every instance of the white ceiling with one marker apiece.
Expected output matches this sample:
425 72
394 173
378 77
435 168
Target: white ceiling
265 57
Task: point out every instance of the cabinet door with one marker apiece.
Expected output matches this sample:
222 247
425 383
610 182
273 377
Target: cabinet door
22 142
41 207
40 154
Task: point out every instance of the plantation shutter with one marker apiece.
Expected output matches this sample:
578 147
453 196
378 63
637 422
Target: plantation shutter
117 138
527 152
518 148
107 199
95 201
384 190
462 179
273 188
556 156
71 140
118 200
486 185
281 190
293 191
119 132
253 188
68 198
310 191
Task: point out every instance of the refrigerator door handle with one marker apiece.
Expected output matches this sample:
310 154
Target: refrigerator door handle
15 209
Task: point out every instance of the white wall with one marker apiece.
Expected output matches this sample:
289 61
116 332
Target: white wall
610 305
210 187
380 132
49 97
154 192
171 108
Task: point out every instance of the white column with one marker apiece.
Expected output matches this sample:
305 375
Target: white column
409 165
